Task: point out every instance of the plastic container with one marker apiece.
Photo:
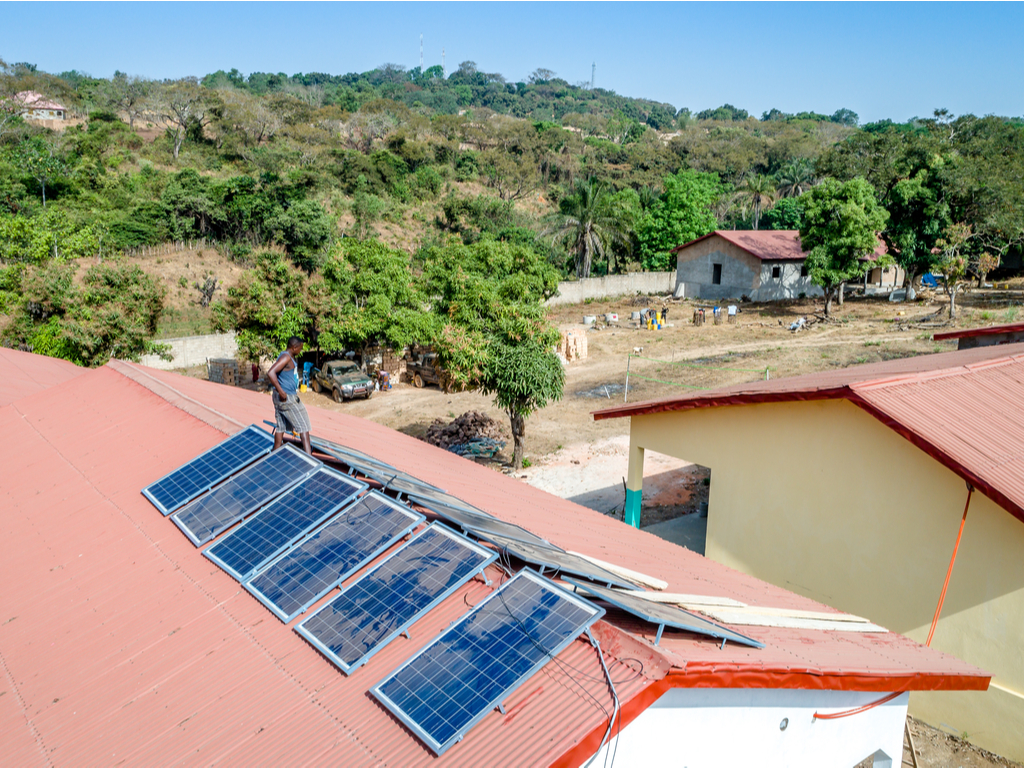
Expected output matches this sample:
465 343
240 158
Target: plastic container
589 319
611 317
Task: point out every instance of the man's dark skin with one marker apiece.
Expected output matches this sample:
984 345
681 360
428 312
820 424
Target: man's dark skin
286 362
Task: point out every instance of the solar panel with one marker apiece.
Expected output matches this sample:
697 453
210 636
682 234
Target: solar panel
179 487
664 615
391 597
474 520
354 458
449 686
550 558
311 569
250 489
290 516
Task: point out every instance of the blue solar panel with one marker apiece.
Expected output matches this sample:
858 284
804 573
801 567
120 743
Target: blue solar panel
247 491
312 568
394 595
179 487
277 526
449 686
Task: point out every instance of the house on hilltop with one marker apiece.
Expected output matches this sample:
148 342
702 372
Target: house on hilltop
853 487
119 635
35 106
762 265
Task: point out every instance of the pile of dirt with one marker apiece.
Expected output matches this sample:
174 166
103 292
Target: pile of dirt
469 427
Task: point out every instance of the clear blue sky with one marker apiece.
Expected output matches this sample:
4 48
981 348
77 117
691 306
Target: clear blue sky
881 60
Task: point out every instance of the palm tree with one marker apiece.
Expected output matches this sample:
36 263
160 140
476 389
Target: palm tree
588 222
760 191
795 178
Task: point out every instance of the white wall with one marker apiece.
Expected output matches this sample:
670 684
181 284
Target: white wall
576 291
193 350
788 285
712 728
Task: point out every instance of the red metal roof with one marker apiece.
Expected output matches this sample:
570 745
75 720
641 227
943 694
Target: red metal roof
121 642
25 374
34 100
768 244
991 330
962 408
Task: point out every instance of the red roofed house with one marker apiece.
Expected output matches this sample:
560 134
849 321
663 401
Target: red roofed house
763 265
853 486
35 106
120 643
984 337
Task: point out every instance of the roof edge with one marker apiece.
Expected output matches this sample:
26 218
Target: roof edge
204 413
755 676
752 398
991 330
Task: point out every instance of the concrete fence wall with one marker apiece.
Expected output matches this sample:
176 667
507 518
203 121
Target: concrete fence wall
193 350
576 291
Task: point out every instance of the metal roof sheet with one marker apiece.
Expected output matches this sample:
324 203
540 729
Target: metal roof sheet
769 244
25 374
990 330
121 642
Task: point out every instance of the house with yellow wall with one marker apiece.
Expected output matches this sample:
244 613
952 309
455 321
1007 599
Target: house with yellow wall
867 489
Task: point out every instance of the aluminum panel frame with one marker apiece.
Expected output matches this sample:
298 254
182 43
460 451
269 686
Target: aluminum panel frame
165 511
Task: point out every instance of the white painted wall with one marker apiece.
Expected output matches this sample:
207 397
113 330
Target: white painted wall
714 728
193 350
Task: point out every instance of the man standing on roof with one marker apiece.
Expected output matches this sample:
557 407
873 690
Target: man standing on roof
289 413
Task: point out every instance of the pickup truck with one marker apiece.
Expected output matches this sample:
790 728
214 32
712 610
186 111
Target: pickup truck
342 379
425 371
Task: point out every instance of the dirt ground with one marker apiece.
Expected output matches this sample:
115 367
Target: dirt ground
938 749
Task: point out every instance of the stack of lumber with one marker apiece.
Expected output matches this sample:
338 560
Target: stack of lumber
471 434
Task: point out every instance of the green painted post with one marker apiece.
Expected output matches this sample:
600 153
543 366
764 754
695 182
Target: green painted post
632 512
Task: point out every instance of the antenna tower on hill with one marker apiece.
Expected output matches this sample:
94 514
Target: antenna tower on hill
593 71
421 54
444 72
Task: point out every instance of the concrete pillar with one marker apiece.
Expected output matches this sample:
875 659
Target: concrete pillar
634 485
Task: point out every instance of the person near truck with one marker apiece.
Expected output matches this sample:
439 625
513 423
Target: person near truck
289 413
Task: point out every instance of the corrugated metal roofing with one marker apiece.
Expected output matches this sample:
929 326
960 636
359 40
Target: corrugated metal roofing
25 374
962 408
990 330
121 643
768 244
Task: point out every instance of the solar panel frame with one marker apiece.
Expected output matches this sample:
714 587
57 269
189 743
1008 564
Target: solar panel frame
440 747
348 668
356 488
670 616
353 457
251 506
550 557
151 494
413 520
474 520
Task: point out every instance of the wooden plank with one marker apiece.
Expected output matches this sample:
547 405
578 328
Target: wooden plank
794 613
678 598
635 576
744 618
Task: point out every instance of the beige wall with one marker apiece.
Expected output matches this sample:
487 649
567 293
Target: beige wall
822 499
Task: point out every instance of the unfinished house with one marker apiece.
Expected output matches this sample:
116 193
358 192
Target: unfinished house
760 265
174 593
867 488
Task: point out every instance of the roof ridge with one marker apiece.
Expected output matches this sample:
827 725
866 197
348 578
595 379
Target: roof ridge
962 369
165 391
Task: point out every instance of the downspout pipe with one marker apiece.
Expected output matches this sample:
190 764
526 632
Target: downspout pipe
949 571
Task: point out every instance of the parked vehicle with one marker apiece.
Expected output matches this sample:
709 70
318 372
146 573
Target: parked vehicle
425 371
343 380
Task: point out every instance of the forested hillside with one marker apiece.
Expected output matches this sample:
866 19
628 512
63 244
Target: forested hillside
289 174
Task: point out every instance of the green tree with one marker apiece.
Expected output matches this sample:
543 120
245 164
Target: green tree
111 314
841 225
785 214
759 191
917 217
589 223
684 212
39 158
50 234
795 178
494 335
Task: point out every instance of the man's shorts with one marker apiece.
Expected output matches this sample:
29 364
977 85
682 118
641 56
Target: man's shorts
291 415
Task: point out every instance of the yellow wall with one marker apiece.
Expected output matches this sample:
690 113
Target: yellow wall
824 500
